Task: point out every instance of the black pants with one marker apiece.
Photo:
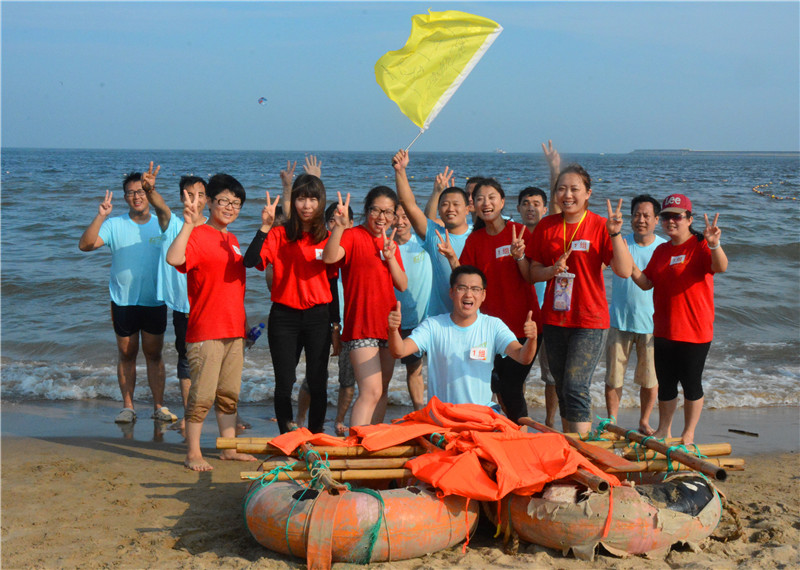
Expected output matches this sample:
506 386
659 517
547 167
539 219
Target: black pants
679 363
508 382
288 331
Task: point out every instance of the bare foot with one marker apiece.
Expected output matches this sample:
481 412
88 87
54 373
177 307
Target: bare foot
341 429
645 428
197 464
658 434
233 455
241 424
687 438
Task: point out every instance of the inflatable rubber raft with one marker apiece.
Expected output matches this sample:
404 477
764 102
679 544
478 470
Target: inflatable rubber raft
356 525
641 519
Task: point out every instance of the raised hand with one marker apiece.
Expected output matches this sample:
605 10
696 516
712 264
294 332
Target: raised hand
395 318
444 246
517 243
400 160
287 176
192 215
614 221
443 180
712 232
552 156
311 166
105 207
529 328
149 178
390 246
340 217
560 265
268 212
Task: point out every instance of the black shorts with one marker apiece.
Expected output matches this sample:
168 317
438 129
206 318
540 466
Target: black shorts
130 319
411 358
180 322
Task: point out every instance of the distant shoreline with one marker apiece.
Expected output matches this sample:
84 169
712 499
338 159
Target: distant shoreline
688 151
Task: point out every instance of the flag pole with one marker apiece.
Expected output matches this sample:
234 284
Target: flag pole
415 139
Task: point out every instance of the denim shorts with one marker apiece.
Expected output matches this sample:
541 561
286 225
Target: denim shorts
573 354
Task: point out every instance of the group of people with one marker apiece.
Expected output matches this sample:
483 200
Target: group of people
457 282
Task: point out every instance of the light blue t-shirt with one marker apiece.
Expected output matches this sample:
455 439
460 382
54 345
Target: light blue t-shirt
460 359
414 300
171 283
440 302
631 308
135 249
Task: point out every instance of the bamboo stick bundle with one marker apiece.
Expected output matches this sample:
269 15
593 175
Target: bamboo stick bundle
660 465
625 444
340 475
707 449
262 446
339 464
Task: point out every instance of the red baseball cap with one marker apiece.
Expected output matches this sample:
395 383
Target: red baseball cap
677 203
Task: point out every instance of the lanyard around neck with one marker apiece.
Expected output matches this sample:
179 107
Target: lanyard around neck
573 233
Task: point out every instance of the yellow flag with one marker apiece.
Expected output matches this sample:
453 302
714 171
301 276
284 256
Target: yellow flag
440 52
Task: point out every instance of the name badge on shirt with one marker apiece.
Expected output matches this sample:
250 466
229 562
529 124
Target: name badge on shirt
502 251
677 259
581 245
317 254
236 249
478 353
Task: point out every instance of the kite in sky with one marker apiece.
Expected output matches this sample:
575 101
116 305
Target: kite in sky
262 100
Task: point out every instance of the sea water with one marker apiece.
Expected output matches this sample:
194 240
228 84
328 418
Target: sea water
58 342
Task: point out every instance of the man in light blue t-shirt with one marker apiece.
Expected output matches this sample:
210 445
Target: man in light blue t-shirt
135 240
462 345
453 210
631 312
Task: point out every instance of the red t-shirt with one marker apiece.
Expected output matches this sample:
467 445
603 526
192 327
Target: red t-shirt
509 296
368 286
591 249
300 277
683 291
215 281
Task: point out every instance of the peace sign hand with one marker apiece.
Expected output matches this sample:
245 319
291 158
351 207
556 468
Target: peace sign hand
712 232
105 207
552 156
560 265
529 328
312 166
445 247
268 213
517 243
192 214
614 221
443 180
390 246
340 217
149 178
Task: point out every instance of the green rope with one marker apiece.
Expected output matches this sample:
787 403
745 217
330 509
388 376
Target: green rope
437 439
262 482
601 427
373 533
289 518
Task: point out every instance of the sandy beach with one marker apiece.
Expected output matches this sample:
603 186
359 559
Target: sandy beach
77 492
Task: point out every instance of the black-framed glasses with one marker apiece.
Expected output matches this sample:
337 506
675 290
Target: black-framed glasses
463 289
134 193
375 212
671 216
224 203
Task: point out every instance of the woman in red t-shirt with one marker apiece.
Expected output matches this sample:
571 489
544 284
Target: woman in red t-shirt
575 311
496 246
371 270
681 274
300 295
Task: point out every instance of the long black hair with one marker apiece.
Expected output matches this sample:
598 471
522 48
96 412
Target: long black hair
307 186
479 223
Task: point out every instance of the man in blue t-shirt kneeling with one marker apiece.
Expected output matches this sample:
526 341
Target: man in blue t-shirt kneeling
461 345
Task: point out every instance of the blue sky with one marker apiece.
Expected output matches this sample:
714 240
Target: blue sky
594 77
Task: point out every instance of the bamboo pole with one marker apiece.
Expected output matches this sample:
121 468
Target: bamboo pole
707 449
338 464
261 445
706 467
345 475
595 483
731 463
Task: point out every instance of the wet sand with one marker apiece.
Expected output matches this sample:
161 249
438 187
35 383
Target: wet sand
78 492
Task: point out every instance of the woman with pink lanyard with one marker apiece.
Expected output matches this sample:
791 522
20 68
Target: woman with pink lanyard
575 311
371 270
681 274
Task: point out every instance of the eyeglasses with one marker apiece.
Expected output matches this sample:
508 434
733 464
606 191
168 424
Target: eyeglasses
671 217
376 212
224 203
463 289
134 193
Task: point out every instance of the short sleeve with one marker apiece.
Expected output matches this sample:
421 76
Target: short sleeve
346 243
422 336
467 254
106 232
503 336
606 249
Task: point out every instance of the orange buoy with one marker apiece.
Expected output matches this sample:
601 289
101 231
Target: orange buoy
643 519
356 526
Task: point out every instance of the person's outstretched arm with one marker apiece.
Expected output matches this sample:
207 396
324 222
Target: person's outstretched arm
156 200
415 215
192 217
253 254
91 240
554 164
443 180
333 251
524 353
399 346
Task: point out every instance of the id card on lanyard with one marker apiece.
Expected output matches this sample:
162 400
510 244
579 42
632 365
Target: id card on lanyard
562 289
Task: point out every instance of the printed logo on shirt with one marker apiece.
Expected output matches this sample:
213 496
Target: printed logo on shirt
317 253
419 258
479 353
581 245
236 249
502 251
677 259
156 240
